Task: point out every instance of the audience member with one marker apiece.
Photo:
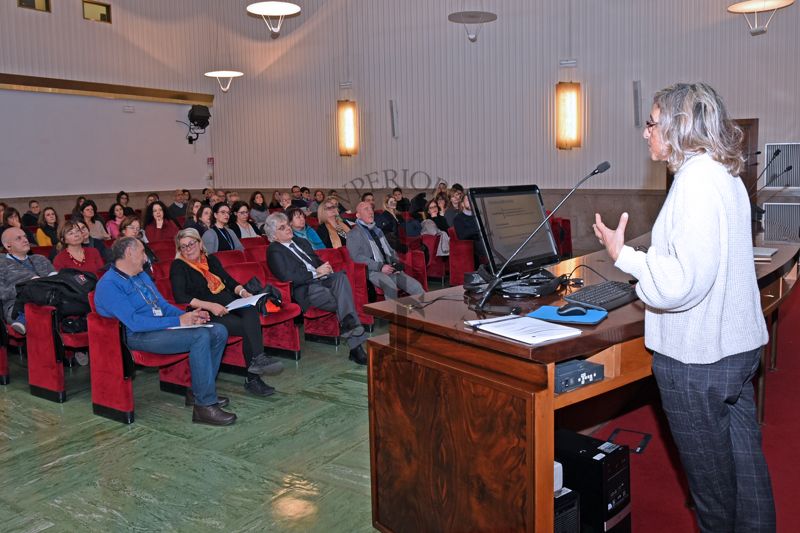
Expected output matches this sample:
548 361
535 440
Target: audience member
457 187
31 217
219 236
158 224
199 280
116 214
437 216
47 233
76 209
88 240
297 197
208 194
441 189
258 208
319 197
203 220
122 199
3 207
275 203
441 201
286 201
367 244
368 197
242 226
305 192
93 221
332 229
11 219
402 203
72 252
17 266
131 227
220 197
389 221
466 227
231 197
190 215
152 197
314 283
454 208
129 295
297 220
177 208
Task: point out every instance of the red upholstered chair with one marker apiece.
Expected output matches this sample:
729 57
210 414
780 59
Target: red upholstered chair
312 222
161 269
164 286
340 259
180 220
249 242
279 331
462 258
42 250
414 261
113 369
230 257
164 250
256 254
47 349
437 265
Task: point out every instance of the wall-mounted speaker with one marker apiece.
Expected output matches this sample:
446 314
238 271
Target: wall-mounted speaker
199 116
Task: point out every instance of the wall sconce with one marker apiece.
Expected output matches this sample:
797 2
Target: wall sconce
568 115
347 114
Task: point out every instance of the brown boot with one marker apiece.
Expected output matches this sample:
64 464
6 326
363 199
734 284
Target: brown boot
212 415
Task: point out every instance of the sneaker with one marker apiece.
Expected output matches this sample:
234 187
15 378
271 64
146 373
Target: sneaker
82 358
258 387
263 364
19 327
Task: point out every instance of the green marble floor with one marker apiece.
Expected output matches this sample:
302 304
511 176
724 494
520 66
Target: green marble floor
296 461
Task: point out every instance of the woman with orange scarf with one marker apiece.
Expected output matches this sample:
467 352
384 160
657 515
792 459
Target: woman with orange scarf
199 280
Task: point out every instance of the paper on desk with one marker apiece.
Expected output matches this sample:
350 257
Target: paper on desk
528 330
243 302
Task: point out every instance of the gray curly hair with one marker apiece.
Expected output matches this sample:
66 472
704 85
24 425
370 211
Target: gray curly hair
272 223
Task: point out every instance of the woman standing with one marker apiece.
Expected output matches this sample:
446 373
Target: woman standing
73 254
332 229
703 317
116 214
199 280
47 233
219 237
158 225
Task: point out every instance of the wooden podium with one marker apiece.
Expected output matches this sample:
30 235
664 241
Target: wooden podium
461 422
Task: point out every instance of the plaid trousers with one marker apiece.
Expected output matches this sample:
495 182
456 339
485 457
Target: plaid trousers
712 417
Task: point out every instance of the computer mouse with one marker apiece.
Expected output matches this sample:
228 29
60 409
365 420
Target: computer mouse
571 309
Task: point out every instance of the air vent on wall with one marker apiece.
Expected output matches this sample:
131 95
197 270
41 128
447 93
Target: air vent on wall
782 222
776 176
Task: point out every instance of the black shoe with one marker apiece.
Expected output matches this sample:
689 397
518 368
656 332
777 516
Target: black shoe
358 355
212 415
222 401
350 327
263 364
258 387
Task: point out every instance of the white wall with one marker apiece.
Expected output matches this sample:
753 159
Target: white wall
480 113
55 144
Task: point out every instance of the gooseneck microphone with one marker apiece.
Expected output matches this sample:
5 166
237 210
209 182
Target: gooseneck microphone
602 167
775 154
773 178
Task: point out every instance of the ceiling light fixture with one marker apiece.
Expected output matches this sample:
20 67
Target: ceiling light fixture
758 6
472 18
224 74
273 10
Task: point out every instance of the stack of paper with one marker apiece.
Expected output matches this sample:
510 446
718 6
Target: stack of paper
524 329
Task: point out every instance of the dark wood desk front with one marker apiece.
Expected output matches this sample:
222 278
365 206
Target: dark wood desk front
461 422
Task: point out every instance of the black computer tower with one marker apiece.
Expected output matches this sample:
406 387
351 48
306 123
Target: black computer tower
567 515
600 472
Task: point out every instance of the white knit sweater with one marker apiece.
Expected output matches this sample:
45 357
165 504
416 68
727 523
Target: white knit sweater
698 276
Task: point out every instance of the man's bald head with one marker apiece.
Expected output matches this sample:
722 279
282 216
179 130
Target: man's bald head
15 242
365 212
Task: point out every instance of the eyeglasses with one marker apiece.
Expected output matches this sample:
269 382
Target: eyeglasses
135 229
330 207
282 227
243 212
187 246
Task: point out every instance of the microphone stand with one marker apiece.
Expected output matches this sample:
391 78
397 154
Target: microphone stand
775 154
602 167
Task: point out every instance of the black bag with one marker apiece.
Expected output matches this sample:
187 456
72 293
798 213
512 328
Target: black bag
67 291
271 294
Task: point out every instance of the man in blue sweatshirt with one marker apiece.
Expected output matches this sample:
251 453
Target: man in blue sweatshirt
128 294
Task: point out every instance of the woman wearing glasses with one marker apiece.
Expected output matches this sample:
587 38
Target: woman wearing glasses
199 280
703 317
332 229
242 226
73 254
219 236
131 227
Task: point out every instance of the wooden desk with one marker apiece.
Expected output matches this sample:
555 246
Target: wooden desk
461 422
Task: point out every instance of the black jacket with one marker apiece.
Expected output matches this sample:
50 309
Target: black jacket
188 283
286 266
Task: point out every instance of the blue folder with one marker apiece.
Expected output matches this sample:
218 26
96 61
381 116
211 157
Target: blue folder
549 313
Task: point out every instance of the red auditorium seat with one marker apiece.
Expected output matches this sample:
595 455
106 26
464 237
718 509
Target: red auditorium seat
42 250
161 269
164 250
256 254
230 257
437 265
47 349
249 242
462 258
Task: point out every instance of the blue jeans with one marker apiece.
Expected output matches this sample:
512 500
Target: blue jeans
205 347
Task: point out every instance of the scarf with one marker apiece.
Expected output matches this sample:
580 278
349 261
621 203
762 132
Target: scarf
335 236
381 251
311 236
215 284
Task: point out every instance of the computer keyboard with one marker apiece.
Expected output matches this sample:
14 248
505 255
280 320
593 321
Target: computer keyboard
607 295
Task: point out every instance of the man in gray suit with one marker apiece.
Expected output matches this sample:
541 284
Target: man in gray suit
367 244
